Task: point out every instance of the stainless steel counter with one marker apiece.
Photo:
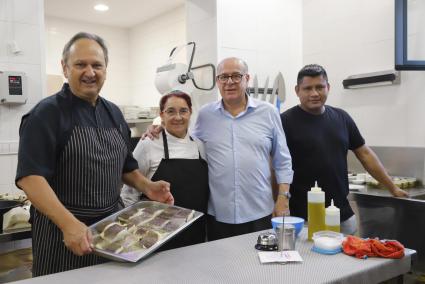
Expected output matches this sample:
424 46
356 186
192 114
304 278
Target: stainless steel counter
384 216
138 126
413 192
234 260
381 215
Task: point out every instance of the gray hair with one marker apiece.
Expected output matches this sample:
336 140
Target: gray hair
84 35
242 62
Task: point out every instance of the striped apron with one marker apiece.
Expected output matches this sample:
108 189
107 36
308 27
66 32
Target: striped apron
87 182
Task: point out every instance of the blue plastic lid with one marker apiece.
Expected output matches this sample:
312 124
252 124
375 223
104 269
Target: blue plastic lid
324 251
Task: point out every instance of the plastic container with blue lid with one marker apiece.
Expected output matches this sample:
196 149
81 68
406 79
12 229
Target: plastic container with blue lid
327 242
326 251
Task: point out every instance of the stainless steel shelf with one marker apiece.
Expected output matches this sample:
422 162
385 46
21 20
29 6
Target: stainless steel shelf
15 235
139 120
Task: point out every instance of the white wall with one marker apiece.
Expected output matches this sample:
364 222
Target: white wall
134 53
267 35
357 36
23 22
201 28
117 85
346 37
415 30
149 47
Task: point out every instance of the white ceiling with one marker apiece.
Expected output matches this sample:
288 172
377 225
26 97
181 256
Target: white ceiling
121 13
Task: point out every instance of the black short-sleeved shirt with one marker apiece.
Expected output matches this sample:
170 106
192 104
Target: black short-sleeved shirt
318 145
45 130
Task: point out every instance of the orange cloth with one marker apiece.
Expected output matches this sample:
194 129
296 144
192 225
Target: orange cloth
361 248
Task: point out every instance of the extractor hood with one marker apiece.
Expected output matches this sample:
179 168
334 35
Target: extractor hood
381 78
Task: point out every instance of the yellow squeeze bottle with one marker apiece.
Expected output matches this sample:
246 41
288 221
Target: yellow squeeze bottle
316 210
332 220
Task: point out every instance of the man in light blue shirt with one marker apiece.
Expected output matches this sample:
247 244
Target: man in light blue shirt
241 134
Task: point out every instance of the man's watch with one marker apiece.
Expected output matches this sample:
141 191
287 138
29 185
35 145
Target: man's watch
286 194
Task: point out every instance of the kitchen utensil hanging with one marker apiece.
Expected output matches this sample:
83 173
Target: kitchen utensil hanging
275 95
177 76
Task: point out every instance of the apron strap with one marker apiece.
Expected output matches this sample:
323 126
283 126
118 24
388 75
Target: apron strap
164 141
118 126
199 153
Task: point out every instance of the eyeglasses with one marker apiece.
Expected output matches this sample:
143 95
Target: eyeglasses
174 112
224 78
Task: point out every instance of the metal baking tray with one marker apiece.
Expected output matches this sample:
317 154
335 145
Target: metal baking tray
136 255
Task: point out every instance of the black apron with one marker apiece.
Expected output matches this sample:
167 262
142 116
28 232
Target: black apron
189 185
87 182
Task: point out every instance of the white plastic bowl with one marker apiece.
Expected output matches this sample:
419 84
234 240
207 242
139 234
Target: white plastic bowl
328 240
358 181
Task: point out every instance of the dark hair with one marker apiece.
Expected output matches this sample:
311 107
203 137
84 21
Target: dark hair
177 94
82 35
311 70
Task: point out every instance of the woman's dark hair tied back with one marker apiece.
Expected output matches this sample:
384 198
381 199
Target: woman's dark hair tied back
177 94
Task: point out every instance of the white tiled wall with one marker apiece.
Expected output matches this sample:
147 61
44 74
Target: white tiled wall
358 37
134 53
150 45
201 28
26 27
21 21
416 12
267 35
116 87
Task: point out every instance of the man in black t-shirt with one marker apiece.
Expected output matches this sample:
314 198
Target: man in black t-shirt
319 138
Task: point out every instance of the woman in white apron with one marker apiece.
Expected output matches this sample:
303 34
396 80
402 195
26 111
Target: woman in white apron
177 158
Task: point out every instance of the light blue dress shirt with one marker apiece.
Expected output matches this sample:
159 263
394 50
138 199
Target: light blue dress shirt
238 151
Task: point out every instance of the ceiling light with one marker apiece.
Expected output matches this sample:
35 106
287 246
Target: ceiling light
101 8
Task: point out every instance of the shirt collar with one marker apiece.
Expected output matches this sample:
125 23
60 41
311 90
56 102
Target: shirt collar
252 103
174 138
67 91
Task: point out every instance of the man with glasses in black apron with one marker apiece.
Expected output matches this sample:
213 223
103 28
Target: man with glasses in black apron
73 158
